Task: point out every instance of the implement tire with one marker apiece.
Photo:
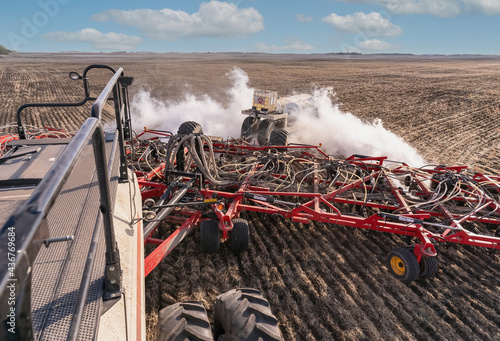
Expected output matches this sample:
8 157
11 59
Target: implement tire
184 321
189 127
239 236
209 236
265 129
428 267
245 315
403 264
279 137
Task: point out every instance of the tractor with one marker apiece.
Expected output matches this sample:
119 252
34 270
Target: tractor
271 118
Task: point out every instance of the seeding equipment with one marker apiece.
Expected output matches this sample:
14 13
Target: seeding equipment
271 118
78 209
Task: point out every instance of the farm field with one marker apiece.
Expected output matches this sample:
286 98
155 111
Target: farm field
324 282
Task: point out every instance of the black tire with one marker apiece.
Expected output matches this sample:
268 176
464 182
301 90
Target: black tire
428 267
245 315
408 180
189 127
239 236
265 129
184 321
249 128
279 137
403 264
279 124
209 236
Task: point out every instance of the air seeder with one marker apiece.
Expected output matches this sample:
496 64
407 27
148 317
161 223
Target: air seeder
79 209
271 118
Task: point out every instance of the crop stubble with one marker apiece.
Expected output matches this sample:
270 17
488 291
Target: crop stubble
324 282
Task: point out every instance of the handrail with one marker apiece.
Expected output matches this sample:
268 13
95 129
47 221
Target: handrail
98 105
30 226
20 127
30 223
89 267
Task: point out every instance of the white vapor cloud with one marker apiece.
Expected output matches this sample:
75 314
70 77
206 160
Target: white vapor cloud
292 44
376 45
98 40
372 24
213 19
303 18
438 8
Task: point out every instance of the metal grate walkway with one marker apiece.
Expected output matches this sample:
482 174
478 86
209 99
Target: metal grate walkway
58 269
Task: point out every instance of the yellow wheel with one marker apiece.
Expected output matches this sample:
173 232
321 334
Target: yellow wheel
397 265
403 264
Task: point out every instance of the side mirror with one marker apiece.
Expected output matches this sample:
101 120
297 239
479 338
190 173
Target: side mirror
75 76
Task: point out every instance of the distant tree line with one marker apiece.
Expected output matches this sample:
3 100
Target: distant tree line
4 50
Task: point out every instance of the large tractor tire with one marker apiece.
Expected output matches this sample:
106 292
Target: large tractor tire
187 128
209 236
265 129
240 236
190 127
279 137
184 321
249 128
245 315
403 264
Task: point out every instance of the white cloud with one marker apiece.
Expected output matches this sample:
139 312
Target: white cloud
438 8
293 44
303 18
99 41
376 45
488 7
213 19
372 24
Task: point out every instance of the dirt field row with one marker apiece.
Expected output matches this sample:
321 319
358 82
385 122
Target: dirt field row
331 283
324 282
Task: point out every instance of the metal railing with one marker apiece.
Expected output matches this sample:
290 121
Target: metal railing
30 225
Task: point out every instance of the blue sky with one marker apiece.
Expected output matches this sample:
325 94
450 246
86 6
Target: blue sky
275 26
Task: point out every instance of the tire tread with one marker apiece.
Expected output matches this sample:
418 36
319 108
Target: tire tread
209 236
184 321
265 129
279 137
245 315
189 127
240 238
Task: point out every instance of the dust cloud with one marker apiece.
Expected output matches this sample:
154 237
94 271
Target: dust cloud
342 133
216 118
322 121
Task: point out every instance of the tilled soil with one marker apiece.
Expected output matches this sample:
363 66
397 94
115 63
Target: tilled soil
324 282
327 282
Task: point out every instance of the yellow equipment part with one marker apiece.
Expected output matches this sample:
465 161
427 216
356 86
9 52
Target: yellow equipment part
265 100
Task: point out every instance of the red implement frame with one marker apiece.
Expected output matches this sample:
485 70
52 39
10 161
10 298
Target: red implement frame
399 217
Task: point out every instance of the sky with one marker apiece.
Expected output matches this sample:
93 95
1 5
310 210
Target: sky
271 26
